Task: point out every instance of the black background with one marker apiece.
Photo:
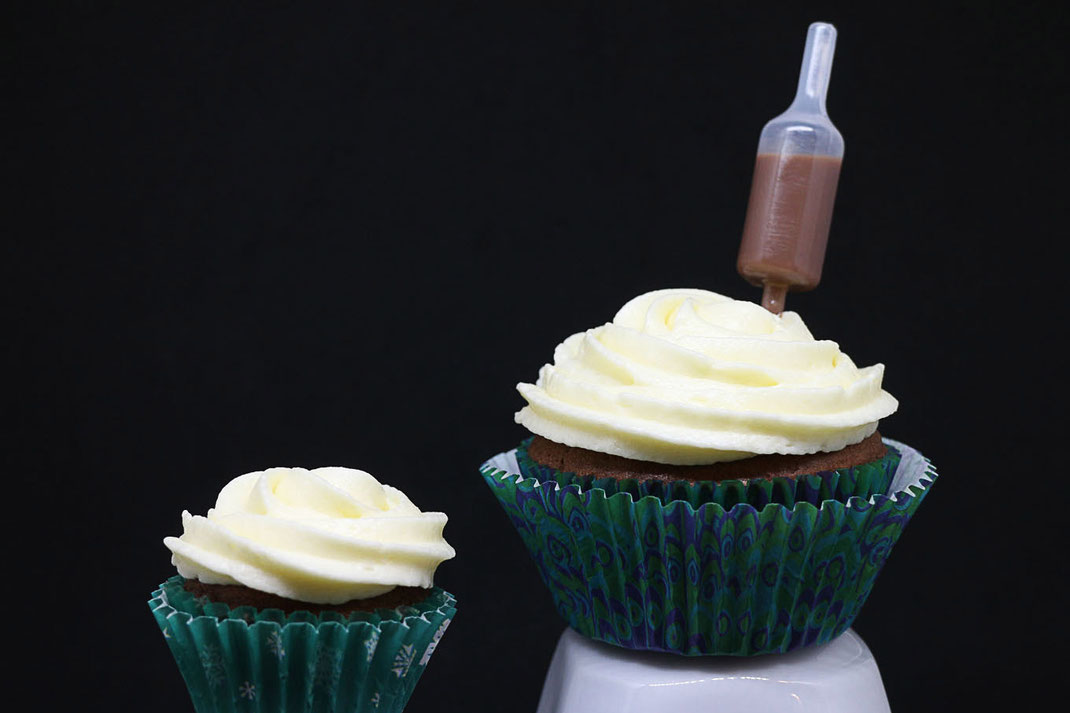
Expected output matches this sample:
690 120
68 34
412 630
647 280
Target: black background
340 236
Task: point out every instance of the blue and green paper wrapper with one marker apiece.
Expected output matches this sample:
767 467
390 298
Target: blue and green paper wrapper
672 572
247 659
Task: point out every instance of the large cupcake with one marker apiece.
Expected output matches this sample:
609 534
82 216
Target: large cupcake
705 477
305 590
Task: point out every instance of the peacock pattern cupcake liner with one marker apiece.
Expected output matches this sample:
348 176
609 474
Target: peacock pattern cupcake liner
702 579
860 481
246 659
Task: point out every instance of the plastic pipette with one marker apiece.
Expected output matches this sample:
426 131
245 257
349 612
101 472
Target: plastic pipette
794 187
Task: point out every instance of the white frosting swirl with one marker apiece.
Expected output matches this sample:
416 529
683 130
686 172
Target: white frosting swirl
690 377
324 536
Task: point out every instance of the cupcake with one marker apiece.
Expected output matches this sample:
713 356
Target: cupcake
305 590
705 477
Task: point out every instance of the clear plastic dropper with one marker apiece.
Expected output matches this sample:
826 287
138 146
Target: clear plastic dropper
794 187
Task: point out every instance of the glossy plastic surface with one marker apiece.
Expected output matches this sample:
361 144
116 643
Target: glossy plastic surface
590 677
805 127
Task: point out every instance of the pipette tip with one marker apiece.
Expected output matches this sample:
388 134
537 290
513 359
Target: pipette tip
773 297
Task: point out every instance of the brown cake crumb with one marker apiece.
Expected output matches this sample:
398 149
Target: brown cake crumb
584 462
236 595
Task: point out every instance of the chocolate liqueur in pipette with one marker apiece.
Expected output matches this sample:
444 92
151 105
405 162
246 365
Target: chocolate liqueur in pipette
794 186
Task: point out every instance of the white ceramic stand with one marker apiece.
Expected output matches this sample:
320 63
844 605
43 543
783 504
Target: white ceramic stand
591 677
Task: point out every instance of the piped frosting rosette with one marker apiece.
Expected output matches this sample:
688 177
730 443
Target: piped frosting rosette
690 377
325 536
321 536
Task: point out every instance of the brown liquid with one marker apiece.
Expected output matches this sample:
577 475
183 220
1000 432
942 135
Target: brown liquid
788 218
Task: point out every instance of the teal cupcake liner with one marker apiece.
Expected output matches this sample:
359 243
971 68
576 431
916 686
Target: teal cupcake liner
699 579
246 659
842 484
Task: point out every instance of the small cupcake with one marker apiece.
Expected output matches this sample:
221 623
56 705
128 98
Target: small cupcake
705 477
305 590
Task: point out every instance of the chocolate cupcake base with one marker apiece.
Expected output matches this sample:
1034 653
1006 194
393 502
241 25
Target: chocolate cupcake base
581 461
236 595
550 462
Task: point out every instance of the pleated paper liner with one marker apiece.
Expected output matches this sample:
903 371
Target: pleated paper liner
644 573
245 659
857 481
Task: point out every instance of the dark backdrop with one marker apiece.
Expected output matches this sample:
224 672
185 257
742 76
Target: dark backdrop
304 237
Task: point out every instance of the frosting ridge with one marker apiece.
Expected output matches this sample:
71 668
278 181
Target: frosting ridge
690 377
326 535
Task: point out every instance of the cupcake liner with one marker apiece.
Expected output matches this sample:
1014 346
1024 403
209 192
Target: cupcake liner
842 484
245 659
699 579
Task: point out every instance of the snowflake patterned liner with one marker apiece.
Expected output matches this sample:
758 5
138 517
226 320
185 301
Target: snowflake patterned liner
244 659
697 578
